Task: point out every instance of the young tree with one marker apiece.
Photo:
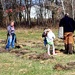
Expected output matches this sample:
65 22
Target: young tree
63 6
28 9
73 8
1 14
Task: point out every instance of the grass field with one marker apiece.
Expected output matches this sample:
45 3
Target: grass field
12 63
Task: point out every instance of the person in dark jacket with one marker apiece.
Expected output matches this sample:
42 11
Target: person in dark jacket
69 25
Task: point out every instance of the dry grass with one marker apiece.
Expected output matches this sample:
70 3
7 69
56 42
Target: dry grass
27 60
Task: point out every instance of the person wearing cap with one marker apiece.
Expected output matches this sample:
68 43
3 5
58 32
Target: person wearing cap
10 36
69 26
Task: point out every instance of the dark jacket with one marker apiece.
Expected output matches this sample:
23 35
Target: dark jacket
68 24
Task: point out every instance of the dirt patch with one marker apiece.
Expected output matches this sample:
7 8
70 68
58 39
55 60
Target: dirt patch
30 55
71 64
2 50
62 67
43 56
2 41
20 52
68 66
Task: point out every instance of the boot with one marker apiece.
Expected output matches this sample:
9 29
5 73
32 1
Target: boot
70 51
66 49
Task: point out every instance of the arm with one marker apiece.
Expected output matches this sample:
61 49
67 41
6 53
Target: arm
9 30
53 36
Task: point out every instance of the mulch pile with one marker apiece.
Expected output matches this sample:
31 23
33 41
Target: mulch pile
2 50
68 66
43 56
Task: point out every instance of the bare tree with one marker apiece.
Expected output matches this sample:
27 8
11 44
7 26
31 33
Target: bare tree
28 9
63 6
73 8
1 14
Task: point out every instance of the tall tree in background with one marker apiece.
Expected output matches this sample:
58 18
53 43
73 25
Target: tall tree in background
28 9
63 6
73 10
13 10
1 14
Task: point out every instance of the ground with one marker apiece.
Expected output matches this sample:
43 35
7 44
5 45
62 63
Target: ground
30 56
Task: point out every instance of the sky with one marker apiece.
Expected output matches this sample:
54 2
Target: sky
34 1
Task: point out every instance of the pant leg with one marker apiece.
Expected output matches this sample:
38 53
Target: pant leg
13 41
70 51
45 41
53 48
48 49
71 42
9 40
68 40
66 48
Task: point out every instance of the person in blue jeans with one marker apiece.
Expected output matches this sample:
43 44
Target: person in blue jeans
10 36
45 41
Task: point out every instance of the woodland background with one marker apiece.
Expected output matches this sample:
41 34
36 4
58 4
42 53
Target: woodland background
20 10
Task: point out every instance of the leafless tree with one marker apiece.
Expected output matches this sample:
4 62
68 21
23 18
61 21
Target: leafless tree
1 13
43 10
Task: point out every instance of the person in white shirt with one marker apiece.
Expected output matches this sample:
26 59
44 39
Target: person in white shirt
50 38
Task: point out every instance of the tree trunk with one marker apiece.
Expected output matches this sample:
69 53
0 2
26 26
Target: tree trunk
1 14
63 6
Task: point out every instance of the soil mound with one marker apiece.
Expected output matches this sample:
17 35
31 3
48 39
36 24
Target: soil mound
43 56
